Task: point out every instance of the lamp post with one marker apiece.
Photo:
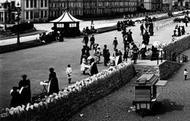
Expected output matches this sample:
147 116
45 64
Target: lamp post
18 12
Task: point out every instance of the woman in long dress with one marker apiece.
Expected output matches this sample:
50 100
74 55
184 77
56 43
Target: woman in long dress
25 91
93 67
53 87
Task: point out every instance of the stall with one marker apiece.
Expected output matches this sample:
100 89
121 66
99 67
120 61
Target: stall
146 91
66 25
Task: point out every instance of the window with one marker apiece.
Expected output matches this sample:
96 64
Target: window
27 16
31 14
31 3
36 15
27 4
73 25
45 3
35 3
45 14
41 14
42 3
60 25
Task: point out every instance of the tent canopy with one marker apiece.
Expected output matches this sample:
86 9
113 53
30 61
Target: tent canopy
65 17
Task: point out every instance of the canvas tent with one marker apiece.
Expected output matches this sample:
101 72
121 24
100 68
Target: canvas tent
66 24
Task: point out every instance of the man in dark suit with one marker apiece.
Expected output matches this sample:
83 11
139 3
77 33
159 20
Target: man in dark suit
85 39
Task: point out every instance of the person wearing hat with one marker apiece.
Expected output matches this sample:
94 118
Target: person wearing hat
53 87
25 92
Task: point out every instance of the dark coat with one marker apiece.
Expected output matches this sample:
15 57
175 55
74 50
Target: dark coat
85 39
92 40
125 55
135 54
141 27
129 37
115 42
16 99
54 87
26 92
94 69
146 38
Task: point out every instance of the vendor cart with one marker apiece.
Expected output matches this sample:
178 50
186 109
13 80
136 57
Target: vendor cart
145 92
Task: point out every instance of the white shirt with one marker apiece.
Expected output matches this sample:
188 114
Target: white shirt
185 73
69 71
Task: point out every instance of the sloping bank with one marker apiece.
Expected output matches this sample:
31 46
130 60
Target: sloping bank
59 107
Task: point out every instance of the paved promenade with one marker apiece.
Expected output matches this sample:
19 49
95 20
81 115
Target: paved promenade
83 24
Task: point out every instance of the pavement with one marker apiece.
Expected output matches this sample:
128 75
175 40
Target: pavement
23 34
97 23
35 61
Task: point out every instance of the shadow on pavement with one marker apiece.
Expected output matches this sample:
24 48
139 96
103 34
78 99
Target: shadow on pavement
161 107
165 106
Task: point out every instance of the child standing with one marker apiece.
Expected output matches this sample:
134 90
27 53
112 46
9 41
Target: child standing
185 74
69 73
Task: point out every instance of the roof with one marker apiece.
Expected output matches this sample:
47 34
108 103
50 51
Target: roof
161 83
147 79
65 17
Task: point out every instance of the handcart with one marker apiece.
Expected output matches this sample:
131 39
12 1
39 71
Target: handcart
145 92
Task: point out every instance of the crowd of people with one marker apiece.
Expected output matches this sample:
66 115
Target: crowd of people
21 94
131 50
179 31
125 23
91 53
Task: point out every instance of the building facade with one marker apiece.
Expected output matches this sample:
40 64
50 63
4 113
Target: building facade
44 10
176 4
34 10
7 12
57 7
153 5
91 8
108 7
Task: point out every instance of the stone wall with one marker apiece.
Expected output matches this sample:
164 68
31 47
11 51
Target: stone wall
61 109
172 50
167 69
